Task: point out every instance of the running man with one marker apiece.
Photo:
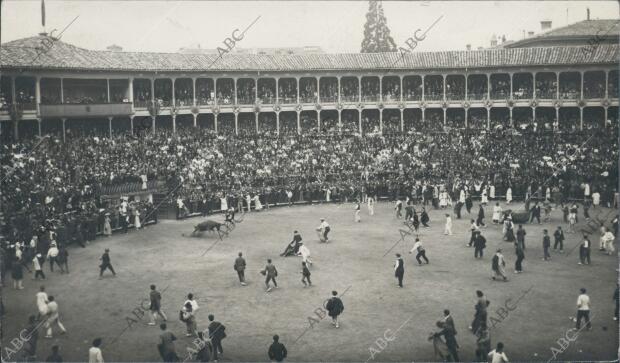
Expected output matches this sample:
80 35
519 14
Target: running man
155 308
271 273
399 208
324 229
421 252
53 317
305 273
304 252
105 264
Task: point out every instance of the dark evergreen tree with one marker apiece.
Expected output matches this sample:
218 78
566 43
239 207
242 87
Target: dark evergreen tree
376 32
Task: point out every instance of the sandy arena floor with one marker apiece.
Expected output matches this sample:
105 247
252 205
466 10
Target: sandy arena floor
354 262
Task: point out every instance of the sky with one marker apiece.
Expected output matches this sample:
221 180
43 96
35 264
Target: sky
335 26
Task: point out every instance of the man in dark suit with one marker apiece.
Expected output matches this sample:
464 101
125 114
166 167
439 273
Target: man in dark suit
105 264
277 351
216 334
480 220
334 307
447 318
535 211
457 209
479 244
448 334
240 268
521 236
399 269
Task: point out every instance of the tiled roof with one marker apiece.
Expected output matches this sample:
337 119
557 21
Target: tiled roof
606 29
29 53
586 28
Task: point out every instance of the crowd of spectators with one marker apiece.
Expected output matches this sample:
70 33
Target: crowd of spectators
546 87
349 90
329 91
455 88
500 88
287 91
433 88
46 179
267 93
307 91
570 89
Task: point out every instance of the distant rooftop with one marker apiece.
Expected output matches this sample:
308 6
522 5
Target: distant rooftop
606 30
31 53
267 51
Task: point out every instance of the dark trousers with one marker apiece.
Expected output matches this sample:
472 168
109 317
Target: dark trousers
39 273
478 252
306 278
107 266
423 255
585 314
326 232
123 220
217 347
560 242
535 216
480 221
399 276
546 252
472 239
519 263
271 278
241 274
453 352
54 260
458 211
584 255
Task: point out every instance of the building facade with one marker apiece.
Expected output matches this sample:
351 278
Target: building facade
51 86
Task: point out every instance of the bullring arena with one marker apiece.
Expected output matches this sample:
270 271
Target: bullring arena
444 189
354 261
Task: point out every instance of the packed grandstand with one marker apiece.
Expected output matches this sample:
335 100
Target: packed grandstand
84 130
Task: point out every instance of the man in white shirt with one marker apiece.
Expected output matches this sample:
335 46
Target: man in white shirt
42 301
607 240
583 309
52 255
324 229
191 300
497 355
448 229
421 252
305 253
53 317
473 228
94 353
596 199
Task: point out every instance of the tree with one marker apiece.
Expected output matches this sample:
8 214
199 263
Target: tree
377 37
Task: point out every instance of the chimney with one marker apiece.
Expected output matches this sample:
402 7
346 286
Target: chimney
503 39
530 33
545 25
588 12
114 48
468 46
